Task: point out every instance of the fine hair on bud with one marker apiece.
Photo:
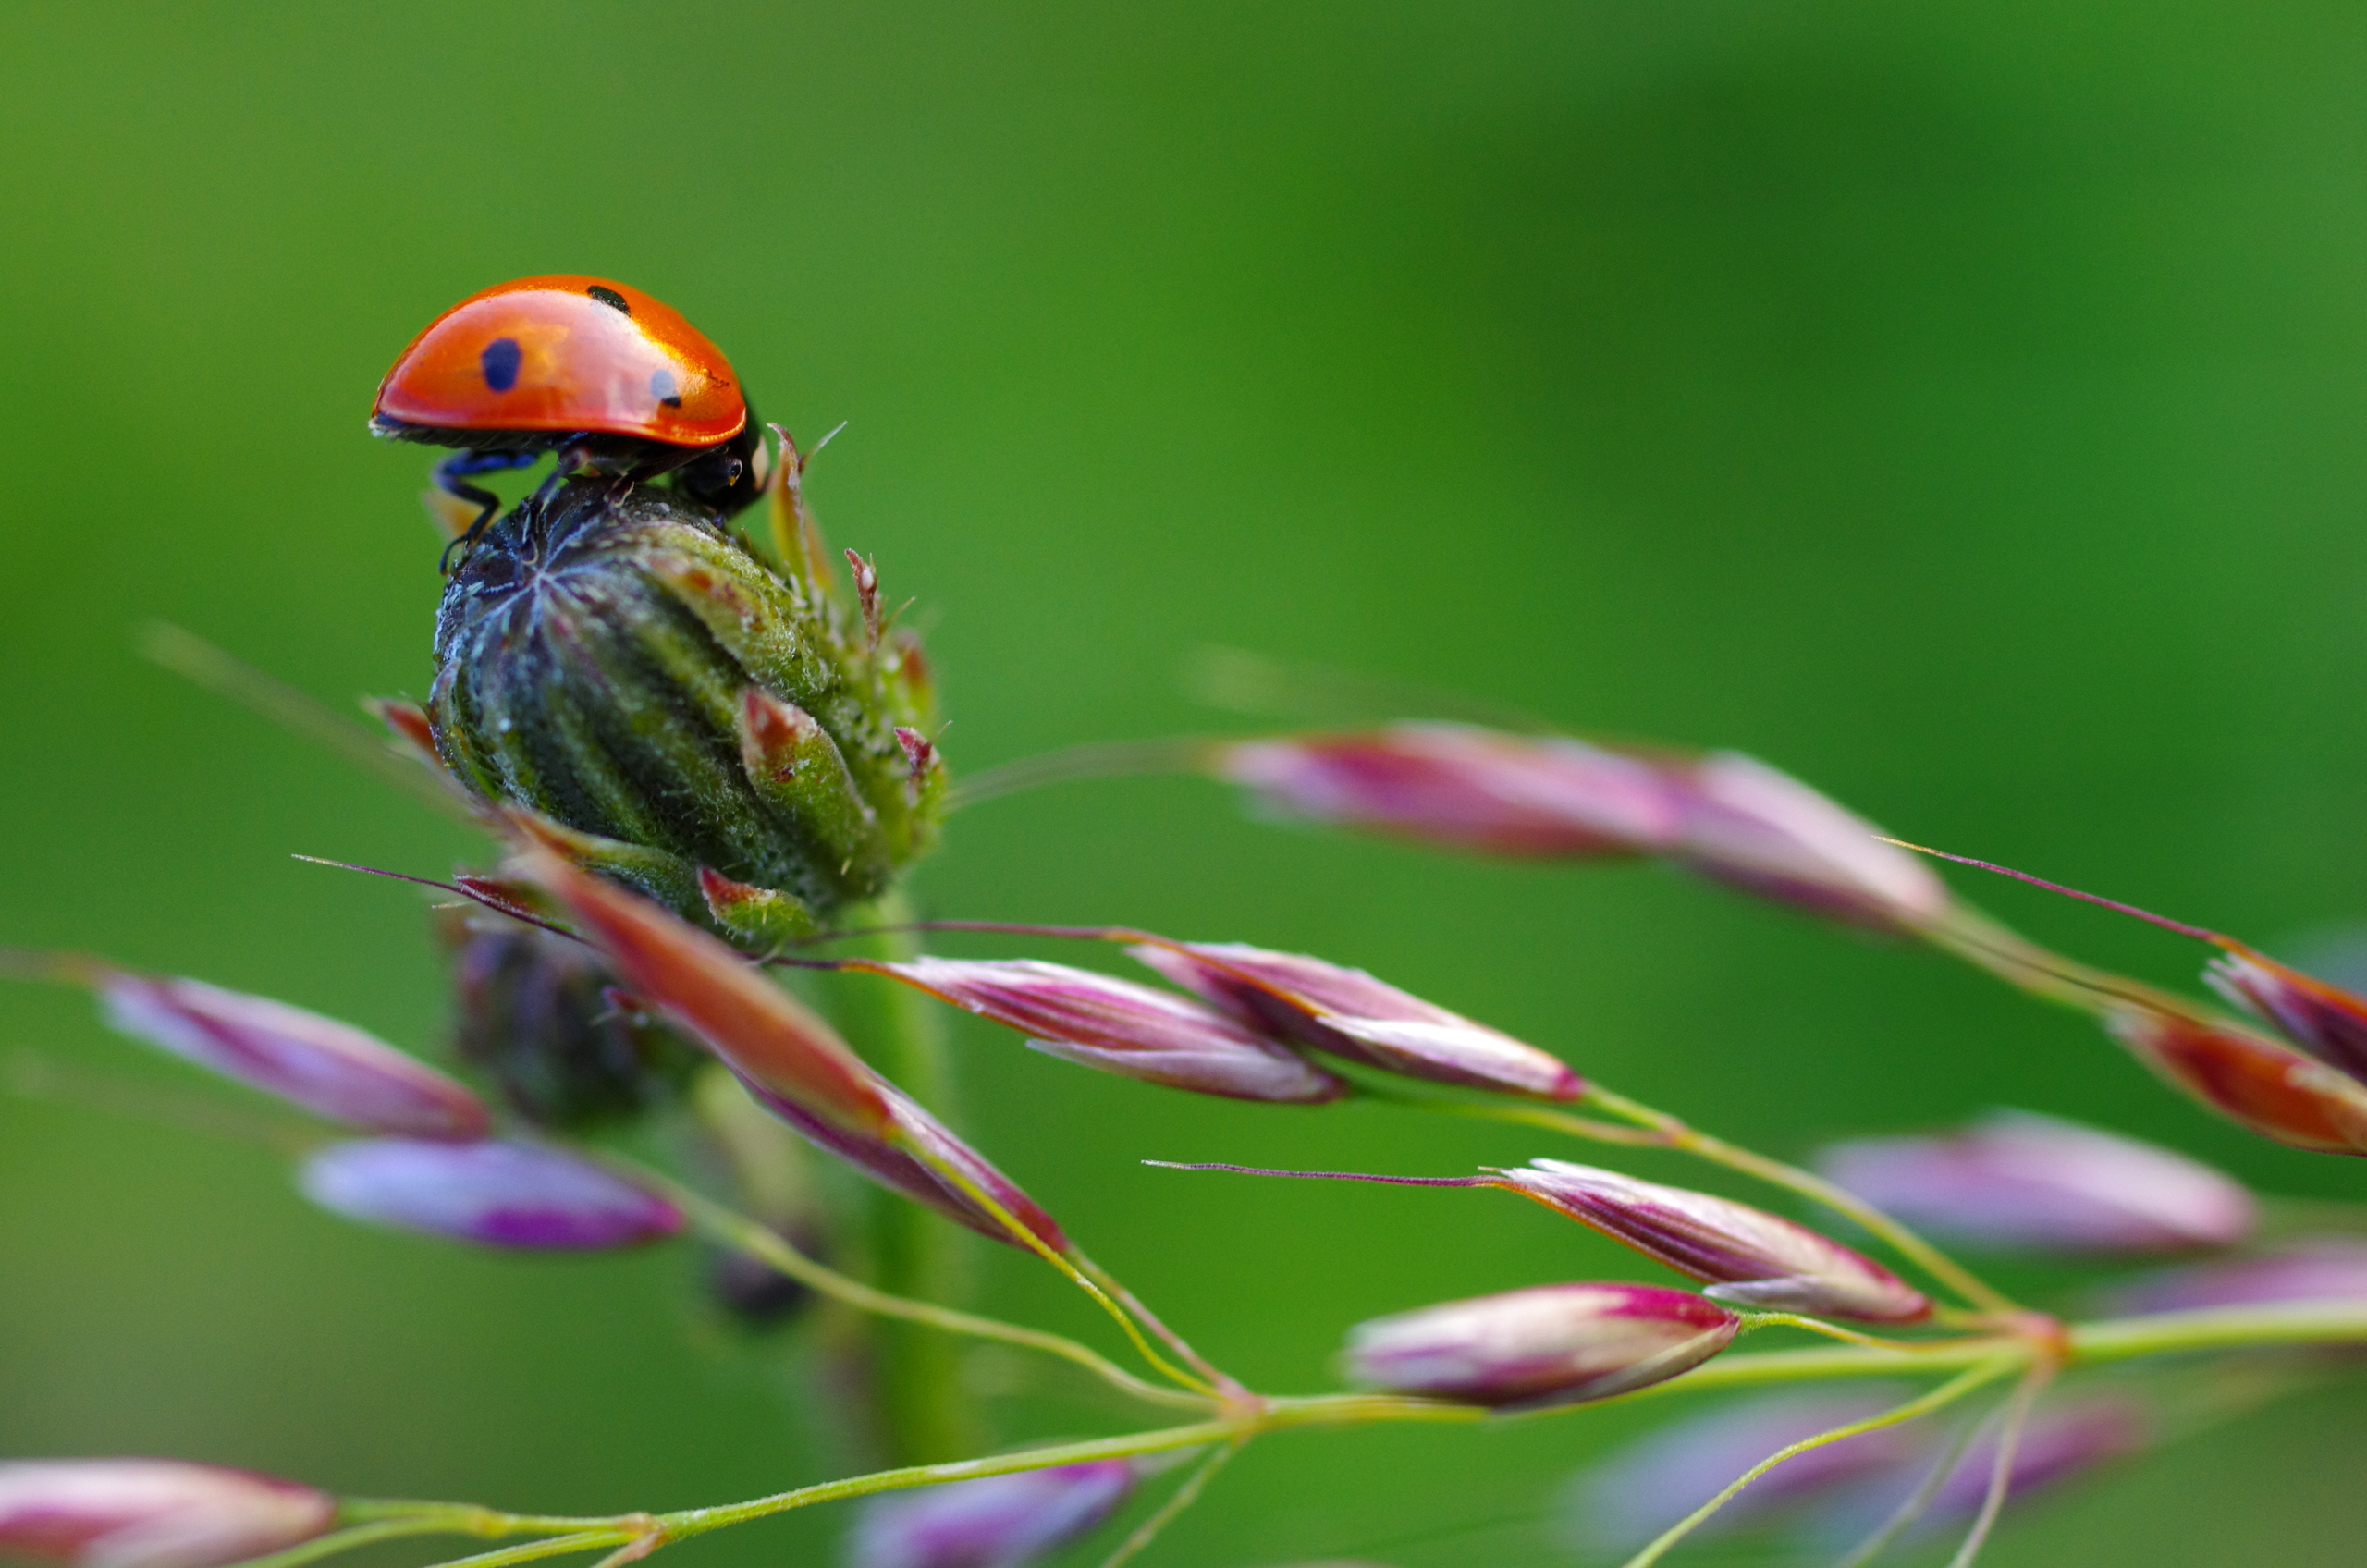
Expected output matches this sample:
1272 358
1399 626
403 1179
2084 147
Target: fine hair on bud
608 656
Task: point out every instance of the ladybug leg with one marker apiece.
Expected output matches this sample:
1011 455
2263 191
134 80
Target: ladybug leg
452 476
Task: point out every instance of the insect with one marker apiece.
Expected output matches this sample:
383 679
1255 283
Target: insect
604 376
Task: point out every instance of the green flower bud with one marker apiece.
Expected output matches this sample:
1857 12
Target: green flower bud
540 1016
737 743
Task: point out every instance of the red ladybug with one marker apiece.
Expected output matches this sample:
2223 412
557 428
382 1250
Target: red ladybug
601 373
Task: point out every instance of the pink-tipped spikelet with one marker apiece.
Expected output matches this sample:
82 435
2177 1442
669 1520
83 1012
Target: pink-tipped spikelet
994 1522
1460 787
151 1513
2269 1087
330 1069
1546 1345
1121 1027
1746 825
2325 1019
1744 1255
1349 1014
2015 1178
518 1196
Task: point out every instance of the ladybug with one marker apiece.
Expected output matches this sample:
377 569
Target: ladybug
603 374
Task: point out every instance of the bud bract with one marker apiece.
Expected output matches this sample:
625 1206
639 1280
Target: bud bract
1461 787
1744 1255
2330 1268
494 1193
330 1069
611 657
1121 1027
2269 1087
151 1513
1546 1345
1349 1014
1753 827
541 1016
2325 1019
2021 1180
1650 1483
994 1522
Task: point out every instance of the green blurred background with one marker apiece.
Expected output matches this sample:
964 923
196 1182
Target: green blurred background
1958 404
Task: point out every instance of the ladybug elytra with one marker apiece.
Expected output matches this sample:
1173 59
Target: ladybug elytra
603 374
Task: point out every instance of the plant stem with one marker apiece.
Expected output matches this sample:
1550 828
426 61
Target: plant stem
763 1242
1979 1360
1184 1496
1946 1393
916 1255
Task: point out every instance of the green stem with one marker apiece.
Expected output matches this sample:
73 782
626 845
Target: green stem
916 1255
763 1242
1946 1393
1980 1360
1184 1496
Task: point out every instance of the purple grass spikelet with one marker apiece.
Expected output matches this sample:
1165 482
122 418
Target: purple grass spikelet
1350 1014
1744 1255
994 1522
1121 1027
2020 1179
496 1194
151 1513
1546 1345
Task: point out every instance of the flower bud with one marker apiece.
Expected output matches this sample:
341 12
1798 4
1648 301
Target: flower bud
151 1513
994 1522
493 1193
2312 1268
791 1061
2325 1019
1650 1483
1349 1014
1748 825
1546 1345
2271 1088
1460 787
2021 1180
1121 1027
330 1069
542 1016
615 660
1744 1255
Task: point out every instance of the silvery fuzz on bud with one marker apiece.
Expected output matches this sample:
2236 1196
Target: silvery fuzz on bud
542 1017
994 1522
2325 1019
1546 1345
792 1061
1744 1254
1457 786
2020 1179
611 657
332 1070
1121 1027
519 1196
1644 1488
2265 1085
1350 1014
151 1513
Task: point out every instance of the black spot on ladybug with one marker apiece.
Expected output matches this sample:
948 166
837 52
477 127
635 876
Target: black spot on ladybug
665 388
499 362
609 298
